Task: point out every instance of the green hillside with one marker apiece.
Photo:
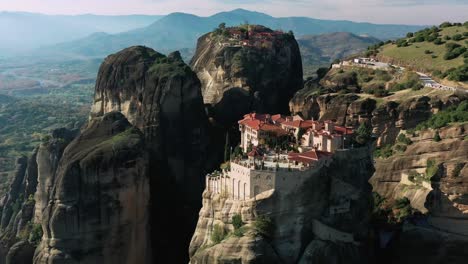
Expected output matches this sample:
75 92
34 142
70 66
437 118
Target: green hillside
439 51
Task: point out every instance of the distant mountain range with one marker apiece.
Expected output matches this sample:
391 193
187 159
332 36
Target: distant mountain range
20 32
181 31
320 50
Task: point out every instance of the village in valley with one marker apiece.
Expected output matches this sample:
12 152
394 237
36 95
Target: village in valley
276 153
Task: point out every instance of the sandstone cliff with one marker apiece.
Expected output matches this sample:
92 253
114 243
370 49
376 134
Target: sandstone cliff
240 76
387 118
103 197
98 208
21 216
162 97
306 227
441 237
444 194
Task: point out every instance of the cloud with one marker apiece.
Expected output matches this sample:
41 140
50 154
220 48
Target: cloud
377 11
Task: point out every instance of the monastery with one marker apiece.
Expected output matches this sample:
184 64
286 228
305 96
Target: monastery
278 153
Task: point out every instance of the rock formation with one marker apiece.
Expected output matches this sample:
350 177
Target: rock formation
389 179
98 207
161 96
258 72
105 196
443 196
387 119
306 227
21 215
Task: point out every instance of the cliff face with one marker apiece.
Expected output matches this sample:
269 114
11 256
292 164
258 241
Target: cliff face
48 158
101 197
98 207
241 76
306 227
20 210
387 118
16 213
444 196
161 96
451 152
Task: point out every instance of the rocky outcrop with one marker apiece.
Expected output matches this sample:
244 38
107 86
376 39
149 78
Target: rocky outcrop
241 76
101 197
21 211
48 158
306 226
453 149
387 118
443 197
162 97
17 212
98 208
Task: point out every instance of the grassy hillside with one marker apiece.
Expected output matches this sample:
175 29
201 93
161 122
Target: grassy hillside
439 51
321 50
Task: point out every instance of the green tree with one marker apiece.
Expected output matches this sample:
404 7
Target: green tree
437 137
445 24
237 151
402 138
237 221
363 133
438 41
321 72
36 234
457 37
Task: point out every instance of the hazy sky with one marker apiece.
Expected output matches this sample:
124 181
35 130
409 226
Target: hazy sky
378 11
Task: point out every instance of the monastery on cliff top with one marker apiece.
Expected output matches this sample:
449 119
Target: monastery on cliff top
266 164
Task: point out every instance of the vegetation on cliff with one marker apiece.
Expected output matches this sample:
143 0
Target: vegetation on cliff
440 51
453 114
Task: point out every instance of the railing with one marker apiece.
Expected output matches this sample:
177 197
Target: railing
259 166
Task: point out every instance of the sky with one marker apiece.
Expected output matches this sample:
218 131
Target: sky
376 11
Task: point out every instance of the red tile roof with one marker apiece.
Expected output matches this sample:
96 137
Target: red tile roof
344 130
252 123
308 157
299 124
278 131
270 123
